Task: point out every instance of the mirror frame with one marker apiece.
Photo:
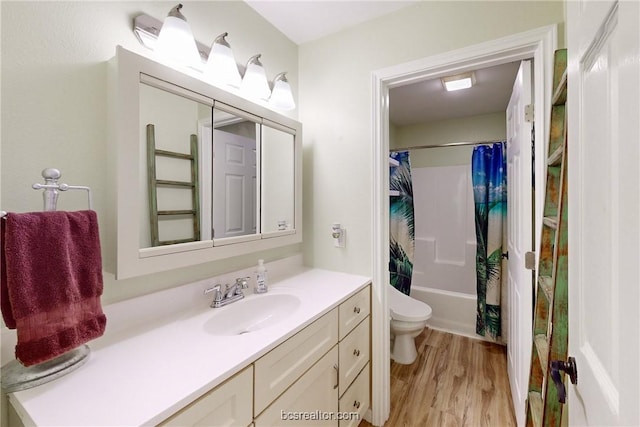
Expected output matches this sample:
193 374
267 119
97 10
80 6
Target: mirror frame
126 258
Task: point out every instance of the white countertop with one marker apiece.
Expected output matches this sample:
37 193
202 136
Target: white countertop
141 372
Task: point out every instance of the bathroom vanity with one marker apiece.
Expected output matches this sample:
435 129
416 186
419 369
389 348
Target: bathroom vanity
187 364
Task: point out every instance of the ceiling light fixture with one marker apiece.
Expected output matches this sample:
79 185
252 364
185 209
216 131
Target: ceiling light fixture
460 81
254 83
281 96
221 65
175 41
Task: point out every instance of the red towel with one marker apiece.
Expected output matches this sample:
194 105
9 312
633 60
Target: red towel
51 282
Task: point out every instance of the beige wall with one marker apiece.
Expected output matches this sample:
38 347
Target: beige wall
54 111
485 127
335 107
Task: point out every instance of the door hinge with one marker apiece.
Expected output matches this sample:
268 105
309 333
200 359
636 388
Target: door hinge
528 113
530 260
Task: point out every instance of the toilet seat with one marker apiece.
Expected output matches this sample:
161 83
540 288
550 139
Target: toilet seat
406 309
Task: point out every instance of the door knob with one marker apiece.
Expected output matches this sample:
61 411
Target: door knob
570 368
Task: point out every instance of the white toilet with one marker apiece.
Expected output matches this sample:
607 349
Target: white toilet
408 318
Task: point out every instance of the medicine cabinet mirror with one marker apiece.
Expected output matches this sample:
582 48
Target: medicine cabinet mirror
201 174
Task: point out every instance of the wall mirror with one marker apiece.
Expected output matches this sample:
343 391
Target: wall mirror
278 179
200 173
169 124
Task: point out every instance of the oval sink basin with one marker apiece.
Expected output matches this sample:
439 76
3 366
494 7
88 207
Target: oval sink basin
251 314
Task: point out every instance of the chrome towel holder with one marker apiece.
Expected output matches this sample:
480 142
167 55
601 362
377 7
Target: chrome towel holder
51 187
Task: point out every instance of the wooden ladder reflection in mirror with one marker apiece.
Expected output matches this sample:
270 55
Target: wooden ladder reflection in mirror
155 215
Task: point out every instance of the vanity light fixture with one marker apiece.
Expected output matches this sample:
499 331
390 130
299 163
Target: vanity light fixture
281 96
221 65
254 83
219 59
176 42
460 81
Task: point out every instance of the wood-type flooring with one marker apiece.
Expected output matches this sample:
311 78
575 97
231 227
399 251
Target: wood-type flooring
455 381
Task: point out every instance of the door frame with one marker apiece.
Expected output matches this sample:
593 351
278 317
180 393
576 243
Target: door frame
537 44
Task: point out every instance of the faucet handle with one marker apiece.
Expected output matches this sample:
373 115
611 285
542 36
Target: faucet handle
217 296
243 282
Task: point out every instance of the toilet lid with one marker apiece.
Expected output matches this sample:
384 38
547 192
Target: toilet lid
407 309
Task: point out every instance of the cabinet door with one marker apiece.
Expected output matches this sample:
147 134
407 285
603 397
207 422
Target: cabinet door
354 354
355 401
310 401
278 369
353 310
229 404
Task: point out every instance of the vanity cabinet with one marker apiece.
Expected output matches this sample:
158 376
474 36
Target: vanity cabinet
229 404
321 369
282 366
354 354
312 400
313 378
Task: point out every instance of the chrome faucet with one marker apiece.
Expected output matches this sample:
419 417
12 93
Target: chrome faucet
231 293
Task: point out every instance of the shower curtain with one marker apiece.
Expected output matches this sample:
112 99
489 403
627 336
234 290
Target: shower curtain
401 228
488 170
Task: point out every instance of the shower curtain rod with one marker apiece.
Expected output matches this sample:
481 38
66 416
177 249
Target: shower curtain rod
448 144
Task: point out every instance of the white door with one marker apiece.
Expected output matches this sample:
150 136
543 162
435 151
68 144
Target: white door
519 239
234 184
604 211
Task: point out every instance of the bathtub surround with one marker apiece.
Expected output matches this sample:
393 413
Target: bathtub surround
489 175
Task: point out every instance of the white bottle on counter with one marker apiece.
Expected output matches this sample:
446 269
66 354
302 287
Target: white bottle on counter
261 278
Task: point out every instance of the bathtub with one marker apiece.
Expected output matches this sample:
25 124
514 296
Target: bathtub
453 312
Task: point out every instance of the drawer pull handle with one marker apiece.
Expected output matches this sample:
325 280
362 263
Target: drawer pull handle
356 352
337 376
356 310
356 404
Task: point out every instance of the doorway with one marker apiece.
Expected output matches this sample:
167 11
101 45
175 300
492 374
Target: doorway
536 44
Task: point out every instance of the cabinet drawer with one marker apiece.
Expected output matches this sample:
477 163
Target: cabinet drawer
228 404
355 400
311 401
354 354
278 369
353 310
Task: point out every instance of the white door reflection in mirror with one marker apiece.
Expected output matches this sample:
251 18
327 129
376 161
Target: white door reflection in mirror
278 177
235 167
234 209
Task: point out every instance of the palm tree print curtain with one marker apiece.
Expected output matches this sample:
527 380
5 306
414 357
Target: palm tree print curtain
401 236
488 170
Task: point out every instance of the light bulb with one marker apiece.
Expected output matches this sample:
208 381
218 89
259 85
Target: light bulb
221 65
281 96
176 42
254 83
